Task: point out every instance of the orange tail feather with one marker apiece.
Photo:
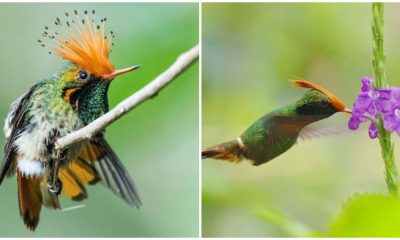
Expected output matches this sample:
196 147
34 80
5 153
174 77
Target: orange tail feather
30 199
230 151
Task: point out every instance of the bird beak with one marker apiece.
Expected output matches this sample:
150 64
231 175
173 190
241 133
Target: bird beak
347 110
121 71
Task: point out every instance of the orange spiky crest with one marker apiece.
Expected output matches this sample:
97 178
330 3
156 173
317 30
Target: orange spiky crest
83 43
336 103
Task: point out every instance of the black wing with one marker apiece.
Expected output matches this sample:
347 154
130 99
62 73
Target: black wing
110 170
13 125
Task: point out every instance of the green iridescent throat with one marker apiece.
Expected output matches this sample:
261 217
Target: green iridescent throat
91 101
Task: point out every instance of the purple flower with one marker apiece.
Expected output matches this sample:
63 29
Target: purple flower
384 102
354 122
366 105
372 131
371 103
392 119
366 84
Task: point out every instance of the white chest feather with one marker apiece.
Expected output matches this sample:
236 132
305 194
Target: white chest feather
34 143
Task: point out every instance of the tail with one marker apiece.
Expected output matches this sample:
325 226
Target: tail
33 190
232 151
32 194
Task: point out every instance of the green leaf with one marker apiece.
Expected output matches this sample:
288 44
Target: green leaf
368 215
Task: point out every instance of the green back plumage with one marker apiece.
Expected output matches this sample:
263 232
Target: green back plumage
275 132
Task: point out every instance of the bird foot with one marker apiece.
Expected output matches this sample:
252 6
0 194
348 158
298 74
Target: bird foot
59 155
56 189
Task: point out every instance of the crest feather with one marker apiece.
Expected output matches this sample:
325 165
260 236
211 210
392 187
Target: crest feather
339 105
84 43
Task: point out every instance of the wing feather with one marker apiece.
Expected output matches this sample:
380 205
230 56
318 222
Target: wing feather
72 187
13 125
312 132
110 170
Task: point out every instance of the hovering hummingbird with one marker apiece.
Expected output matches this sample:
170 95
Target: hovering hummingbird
277 131
56 106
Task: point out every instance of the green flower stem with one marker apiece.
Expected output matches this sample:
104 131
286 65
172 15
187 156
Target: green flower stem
378 62
392 175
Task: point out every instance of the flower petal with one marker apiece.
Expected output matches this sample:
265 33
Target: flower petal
372 131
366 84
354 123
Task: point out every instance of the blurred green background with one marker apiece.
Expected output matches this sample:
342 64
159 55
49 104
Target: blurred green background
250 50
157 142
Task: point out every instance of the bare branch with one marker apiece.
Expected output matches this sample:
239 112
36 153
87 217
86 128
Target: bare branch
150 90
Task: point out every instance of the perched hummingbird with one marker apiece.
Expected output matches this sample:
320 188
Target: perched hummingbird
56 106
277 131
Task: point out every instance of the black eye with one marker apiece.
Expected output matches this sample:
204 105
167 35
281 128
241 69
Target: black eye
83 75
325 102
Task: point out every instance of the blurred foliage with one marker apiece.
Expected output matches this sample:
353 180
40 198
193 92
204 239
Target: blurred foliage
291 226
368 215
157 142
250 50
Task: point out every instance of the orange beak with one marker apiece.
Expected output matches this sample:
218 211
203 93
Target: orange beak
121 71
347 110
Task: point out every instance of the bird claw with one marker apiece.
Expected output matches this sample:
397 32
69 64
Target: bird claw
63 155
58 154
56 189
54 184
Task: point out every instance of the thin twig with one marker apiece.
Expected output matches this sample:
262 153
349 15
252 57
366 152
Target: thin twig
150 90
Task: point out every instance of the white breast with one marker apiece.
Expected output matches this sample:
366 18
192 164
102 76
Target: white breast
32 144
31 168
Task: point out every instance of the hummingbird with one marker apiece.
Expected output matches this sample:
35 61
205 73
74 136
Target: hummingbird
277 131
60 104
